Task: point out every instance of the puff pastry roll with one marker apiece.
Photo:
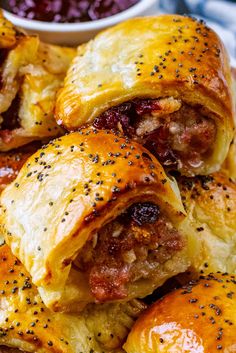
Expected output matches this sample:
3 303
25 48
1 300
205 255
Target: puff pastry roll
94 218
210 203
27 325
31 74
164 81
200 317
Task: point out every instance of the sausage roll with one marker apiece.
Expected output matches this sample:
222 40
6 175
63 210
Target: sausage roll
200 317
26 325
31 74
210 203
164 81
94 218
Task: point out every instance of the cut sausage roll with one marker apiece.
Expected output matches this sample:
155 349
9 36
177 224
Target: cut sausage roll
31 74
94 218
200 317
164 81
26 325
210 203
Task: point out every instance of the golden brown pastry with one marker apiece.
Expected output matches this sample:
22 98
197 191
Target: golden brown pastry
31 74
27 325
199 318
210 203
94 218
164 81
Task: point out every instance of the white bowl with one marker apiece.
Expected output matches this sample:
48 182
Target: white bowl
75 33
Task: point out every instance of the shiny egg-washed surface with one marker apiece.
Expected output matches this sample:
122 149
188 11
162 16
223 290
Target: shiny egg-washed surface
198 318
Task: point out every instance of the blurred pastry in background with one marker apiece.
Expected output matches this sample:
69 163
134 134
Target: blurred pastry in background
31 74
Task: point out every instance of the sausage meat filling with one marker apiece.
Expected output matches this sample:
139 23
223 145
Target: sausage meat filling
180 136
128 249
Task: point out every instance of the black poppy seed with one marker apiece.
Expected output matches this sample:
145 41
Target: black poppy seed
115 189
230 295
50 343
193 300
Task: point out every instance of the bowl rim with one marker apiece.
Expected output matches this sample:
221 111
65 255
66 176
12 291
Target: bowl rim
132 11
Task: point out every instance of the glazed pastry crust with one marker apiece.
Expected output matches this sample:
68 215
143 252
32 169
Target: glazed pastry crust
26 324
204 323
210 204
152 57
31 74
77 184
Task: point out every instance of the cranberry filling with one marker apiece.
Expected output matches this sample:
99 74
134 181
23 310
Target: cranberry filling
180 138
128 249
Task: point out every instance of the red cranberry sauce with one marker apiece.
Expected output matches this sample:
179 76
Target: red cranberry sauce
67 10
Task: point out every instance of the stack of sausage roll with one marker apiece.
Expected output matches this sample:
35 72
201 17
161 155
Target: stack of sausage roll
134 196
